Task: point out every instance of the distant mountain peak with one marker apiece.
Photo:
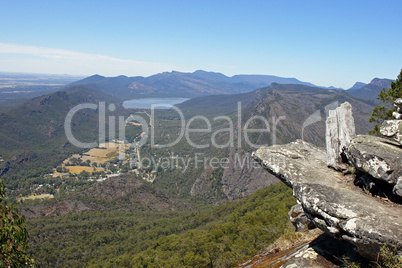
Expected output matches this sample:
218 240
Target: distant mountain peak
213 76
381 82
96 76
89 80
371 90
205 72
358 85
332 87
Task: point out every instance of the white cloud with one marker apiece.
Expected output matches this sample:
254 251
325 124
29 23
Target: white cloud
23 58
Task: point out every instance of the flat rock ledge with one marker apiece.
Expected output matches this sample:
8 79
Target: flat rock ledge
334 205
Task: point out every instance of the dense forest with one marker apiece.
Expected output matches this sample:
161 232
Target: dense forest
203 236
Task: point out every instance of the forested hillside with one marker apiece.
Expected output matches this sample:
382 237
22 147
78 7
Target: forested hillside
32 135
132 236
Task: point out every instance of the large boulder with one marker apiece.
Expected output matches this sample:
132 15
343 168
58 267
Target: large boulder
381 158
392 129
340 130
330 199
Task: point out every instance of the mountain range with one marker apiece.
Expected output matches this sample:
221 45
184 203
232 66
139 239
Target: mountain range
201 83
178 84
369 91
167 84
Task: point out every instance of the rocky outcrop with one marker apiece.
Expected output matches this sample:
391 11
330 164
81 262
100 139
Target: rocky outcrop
393 128
378 157
330 199
340 130
398 106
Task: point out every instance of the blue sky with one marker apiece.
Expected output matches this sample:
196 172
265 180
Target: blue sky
324 42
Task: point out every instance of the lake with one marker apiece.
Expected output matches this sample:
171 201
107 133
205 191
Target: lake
146 103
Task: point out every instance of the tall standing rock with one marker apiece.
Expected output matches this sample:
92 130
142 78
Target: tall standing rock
340 130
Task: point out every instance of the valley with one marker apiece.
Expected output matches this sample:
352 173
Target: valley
228 140
166 176
200 134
